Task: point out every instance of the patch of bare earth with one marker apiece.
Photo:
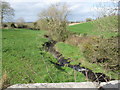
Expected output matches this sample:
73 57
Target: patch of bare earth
73 24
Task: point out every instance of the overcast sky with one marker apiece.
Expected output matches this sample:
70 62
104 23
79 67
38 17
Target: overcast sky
80 9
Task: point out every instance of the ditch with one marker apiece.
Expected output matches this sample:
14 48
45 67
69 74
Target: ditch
63 62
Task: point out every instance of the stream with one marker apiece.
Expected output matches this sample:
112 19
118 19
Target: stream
62 61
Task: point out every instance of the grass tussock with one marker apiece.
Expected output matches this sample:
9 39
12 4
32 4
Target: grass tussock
4 81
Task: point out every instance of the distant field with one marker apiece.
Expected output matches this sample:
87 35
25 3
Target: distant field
82 28
25 62
90 28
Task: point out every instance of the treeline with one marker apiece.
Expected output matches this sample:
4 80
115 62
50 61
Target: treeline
23 26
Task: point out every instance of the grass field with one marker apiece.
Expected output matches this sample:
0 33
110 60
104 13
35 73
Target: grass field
91 28
82 28
25 62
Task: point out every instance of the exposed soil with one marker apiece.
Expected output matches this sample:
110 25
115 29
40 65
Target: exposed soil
70 24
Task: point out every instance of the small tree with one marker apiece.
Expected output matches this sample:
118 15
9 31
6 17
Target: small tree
54 19
88 19
7 12
20 22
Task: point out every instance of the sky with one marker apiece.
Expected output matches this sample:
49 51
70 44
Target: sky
79 9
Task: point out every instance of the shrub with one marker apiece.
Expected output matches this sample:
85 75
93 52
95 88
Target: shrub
4 25
103 51
22 26
36 26
88 19
12 25
54 19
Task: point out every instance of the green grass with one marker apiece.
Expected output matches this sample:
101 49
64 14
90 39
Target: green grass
25 62
73 52
103 26
82 28
69 51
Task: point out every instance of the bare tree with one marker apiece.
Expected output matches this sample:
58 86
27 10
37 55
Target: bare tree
107 8
7 12
54 19
20 20
108 19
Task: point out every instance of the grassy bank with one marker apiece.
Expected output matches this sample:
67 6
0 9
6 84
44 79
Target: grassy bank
76 55
103 26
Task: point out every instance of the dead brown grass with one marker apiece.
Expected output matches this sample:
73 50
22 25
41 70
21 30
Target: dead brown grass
4 81
78 40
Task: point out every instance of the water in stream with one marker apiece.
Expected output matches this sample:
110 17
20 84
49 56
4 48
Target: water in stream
61 61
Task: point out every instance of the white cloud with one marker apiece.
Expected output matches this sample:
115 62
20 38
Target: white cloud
29 9
74 7
54 1
47 1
